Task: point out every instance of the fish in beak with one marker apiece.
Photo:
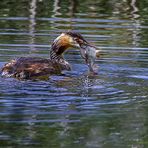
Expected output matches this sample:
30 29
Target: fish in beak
89 54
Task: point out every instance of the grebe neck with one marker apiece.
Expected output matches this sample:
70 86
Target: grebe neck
55 57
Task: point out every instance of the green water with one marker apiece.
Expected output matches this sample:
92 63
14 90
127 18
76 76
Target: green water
109 110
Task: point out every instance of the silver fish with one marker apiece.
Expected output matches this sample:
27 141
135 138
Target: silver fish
88 52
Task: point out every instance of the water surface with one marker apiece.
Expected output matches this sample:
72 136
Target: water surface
76 110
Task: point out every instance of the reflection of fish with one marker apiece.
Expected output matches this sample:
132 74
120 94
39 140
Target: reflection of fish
89 53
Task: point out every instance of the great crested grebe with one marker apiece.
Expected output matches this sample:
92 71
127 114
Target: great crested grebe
29 67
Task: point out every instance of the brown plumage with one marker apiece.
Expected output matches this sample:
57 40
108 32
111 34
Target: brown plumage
30 67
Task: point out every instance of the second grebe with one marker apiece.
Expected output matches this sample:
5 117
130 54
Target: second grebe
29 67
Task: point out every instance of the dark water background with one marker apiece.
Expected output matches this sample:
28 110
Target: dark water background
76 111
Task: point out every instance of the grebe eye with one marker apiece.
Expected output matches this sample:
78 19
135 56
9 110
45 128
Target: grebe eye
78 40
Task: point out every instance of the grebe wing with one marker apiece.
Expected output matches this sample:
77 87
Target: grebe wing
27 67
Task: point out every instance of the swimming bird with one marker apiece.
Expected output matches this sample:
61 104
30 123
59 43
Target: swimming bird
29 67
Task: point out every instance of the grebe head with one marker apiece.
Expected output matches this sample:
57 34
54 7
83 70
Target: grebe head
76 39
66 40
